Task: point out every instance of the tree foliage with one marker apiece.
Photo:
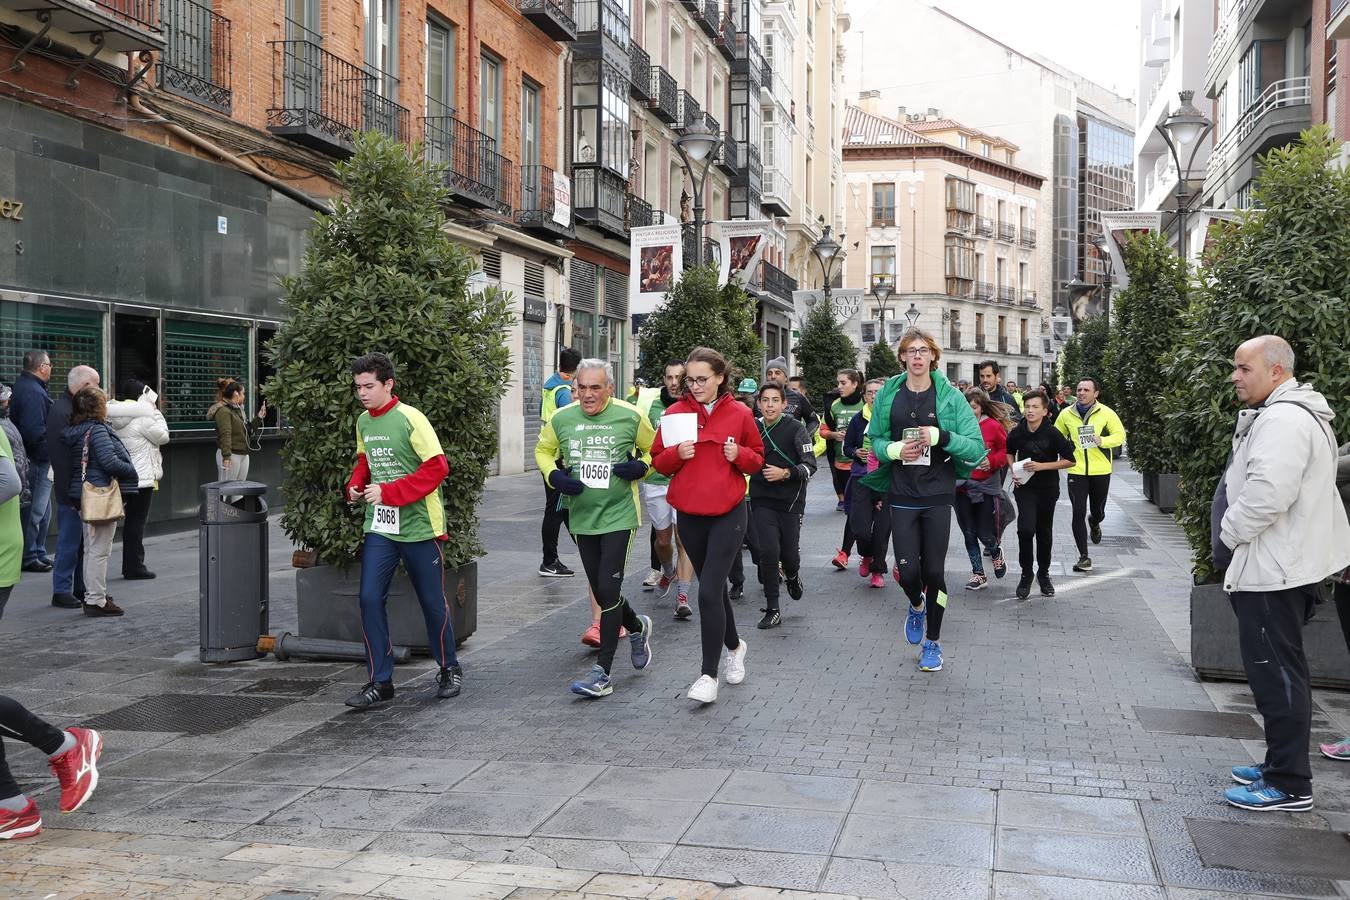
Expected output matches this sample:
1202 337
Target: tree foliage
1146 322
379 274
823 350
697 313
1083 352
881 361
1283 270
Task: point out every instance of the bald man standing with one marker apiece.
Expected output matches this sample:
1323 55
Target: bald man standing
1278 530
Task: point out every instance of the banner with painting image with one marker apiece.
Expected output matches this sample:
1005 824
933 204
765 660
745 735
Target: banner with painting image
1118 226
655 263
742 246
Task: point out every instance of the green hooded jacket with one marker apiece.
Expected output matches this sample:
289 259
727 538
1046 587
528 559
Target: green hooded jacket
961 435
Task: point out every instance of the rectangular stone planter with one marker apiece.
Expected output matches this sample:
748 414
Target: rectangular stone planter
328 605
1150 484
1166 486
1214 641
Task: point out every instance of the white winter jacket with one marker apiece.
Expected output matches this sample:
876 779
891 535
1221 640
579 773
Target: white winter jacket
142 428
1285 522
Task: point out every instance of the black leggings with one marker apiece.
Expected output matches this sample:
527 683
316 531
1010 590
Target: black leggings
604 556
841 477
751 543
1087 494
778 535
18 722
1035 520
850 485
1342 596
979 525
920 537
870 522
712 542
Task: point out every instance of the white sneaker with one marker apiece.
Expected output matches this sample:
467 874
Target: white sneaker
704 690
735 664
652 578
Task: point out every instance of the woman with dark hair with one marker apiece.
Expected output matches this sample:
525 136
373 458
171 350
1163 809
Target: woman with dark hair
233 429
838 413
139 423
979 499
925 438
707 488
1039 451
868 514
97 456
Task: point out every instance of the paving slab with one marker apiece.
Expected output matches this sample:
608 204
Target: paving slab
925 801
791 871
960 844
1069 813
905 881
621 819
401 773
1038 851
505 815
764 828
1016 886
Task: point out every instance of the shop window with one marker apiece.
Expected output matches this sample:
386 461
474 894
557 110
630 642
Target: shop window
71 337
583 323
135 351
195 355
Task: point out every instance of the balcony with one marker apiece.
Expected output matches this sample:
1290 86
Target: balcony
984 226
602 32
1338 22
883 217
1274 119
711 251
640 78
1003 343
711 123
663 95
195 63
776 199
598 199
1028 237
473 168
319 100
748 60
640 213
1007 293
1007 232
979 343
776 282
537 207
707 15
726 38
121 26
1028 299
728 157
552 17
954 336
984 291
1026 346
687 111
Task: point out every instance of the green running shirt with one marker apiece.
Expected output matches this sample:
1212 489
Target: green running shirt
396 444
658 409
843 414
589 447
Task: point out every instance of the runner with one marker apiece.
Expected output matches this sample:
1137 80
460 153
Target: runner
798 406
925 425
868 515
661 513
990 381
603 443
399 469
778 499
707 488
1094 429
841 410
1045 451
557 394
979 500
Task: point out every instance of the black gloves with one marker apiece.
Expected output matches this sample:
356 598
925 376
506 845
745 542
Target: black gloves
564 483
630 469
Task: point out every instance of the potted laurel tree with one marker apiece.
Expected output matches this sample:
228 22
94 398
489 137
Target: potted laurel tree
1146 320
379 274
1282 270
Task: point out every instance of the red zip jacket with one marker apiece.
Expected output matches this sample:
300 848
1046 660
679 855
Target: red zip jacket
996 440
708 485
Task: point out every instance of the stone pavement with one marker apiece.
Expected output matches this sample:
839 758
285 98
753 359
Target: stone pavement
1021 770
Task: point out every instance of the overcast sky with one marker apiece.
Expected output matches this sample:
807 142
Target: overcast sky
1097 39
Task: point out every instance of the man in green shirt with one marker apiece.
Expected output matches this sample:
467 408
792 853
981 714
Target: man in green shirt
603 444
399 469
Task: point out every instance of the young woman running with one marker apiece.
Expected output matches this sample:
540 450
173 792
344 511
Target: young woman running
707 489
1046 450
979 500
838 414
925 437
868 515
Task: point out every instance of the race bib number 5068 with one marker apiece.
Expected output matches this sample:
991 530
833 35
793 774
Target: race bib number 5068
385 520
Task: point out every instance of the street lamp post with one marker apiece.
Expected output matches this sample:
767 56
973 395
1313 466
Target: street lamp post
881 292
1185 127
698 144
912 314
1104 254
825 250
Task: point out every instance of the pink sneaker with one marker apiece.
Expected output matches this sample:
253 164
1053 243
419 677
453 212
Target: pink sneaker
865 567
1338 751
878 580
840 561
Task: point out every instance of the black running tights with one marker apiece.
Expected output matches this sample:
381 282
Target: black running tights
712 542
920 539
18 722
604 556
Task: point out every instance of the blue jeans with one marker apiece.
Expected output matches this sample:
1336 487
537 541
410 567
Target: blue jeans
68 575
39 520
426 570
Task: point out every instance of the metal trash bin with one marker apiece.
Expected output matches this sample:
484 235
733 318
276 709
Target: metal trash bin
233 570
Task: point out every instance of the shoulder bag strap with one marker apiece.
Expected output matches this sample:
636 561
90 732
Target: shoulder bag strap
84 457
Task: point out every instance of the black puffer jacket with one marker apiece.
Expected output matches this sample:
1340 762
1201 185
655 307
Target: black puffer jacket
108 458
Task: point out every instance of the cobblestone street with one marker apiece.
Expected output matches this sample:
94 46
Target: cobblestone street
1023 770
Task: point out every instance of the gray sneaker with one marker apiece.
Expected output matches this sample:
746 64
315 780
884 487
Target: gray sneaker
641 644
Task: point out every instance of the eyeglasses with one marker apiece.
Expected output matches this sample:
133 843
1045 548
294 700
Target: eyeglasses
698 381
917 351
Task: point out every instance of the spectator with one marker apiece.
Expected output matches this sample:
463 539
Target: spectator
68 575
20 455
29 406
234 430
139 423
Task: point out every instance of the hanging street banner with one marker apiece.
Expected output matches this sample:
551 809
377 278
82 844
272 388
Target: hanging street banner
742 246
562 199
1213 223
1118 226
655 261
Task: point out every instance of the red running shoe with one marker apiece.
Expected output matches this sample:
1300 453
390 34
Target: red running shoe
591 636
77 768
23 824
878 580
865 568
840 561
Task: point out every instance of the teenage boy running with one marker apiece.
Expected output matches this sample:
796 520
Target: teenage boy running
778 499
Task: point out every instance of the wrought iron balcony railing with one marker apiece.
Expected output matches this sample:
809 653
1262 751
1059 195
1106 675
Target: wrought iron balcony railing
984 290
1006 293
196 61
1026 346
1028 299
728 154
664 94
319 99
726 38
538 203
1002 343
640 77
144 14
473 170
979 343
706 15
1028 236
639 212
776 282
553 17
598 198
688 112
984 226
711 123
1007 231
954 337
748 60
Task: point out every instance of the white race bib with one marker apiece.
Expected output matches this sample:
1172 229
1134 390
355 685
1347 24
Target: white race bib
1086 433
385 520
595 473
925 458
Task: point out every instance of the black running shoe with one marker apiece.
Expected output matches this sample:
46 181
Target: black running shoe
1024 586
771 619
448 682
1084 564
1047 588
1095 532
555 569
794 587
737 591
371 694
